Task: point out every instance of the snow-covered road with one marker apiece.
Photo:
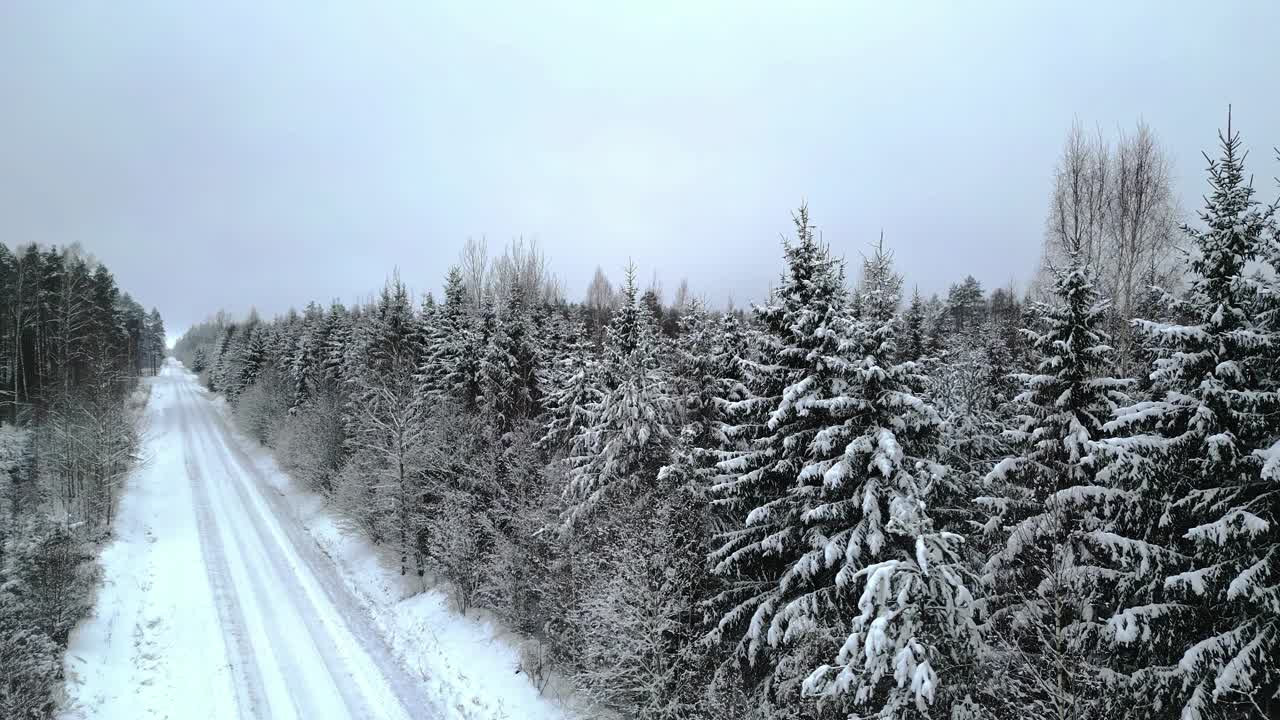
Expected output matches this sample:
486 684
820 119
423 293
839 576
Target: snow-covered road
216 603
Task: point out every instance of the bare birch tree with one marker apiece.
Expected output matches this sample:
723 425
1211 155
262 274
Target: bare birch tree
1081 200
1114 209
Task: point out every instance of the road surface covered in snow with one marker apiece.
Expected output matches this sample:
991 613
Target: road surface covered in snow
215 602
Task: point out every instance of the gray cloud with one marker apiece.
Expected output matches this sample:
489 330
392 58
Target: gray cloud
325 143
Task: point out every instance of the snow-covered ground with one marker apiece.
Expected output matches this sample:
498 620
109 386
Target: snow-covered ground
228 593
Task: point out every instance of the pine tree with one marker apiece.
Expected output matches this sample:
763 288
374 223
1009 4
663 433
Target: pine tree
966 305
1199 628
937 325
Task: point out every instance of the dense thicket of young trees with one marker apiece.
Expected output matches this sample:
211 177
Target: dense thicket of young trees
839 504
72 347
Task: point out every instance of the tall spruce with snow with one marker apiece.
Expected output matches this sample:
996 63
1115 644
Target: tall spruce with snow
573 400
220 365
386 425
473 331
509 368
789 389
1200 621
254 360
455 343
870 534
880 286
914 343
630 436
707 367
636 592
1044 578
305 353
829 501
1267 285
709 370
335 343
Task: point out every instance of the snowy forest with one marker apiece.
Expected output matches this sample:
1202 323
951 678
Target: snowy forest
72 346
850 500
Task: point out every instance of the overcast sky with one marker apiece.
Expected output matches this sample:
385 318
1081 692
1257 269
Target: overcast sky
223 154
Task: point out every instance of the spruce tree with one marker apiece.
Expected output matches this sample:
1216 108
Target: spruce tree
870 534
310 357
915 333
221 365
1199 625
387 425
339 338
880 287
1047 514
509 367
708 371
447 371
789 392
465 354
573 401
630 437
828 502
254 360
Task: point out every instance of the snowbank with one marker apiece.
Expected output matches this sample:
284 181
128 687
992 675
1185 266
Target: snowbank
130 652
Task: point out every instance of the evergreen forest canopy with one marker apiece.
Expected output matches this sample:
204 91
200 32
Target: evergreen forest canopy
845 502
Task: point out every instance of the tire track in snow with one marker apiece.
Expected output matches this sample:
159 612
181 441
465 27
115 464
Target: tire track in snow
240 653
312 581
298 697
270 581
350 613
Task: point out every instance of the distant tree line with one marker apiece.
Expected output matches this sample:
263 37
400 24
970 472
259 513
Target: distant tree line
844 503
72 346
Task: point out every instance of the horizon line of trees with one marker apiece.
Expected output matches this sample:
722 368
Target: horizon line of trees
844 503
72 347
